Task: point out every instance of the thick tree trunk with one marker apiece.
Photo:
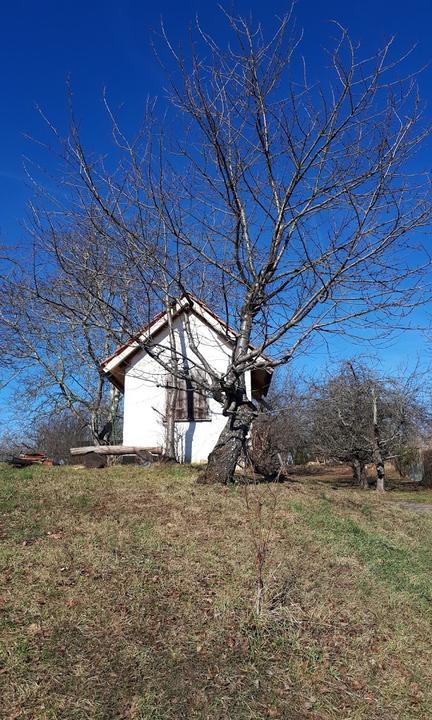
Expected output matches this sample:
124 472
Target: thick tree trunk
380 471
364 481
356 471
232 441
94 427
360 474
223 459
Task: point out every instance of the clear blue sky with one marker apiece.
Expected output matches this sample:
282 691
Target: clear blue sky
107 44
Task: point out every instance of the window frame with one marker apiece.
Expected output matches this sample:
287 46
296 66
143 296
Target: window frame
191 403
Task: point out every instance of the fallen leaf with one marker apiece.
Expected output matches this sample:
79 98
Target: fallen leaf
34 629
273 712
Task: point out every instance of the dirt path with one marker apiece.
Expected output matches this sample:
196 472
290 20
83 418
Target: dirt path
420 508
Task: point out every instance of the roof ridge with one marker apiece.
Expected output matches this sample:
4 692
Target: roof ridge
192 299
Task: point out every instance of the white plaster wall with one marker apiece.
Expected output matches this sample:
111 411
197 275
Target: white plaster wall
144 401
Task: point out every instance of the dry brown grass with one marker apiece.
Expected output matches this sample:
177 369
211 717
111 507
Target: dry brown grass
128 593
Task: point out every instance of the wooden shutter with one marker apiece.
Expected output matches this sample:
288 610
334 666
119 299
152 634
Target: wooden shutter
200 398
181 408
192 401
177 386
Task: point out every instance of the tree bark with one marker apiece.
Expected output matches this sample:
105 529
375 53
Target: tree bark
172 391
170 439
223 459
380 471
113 413
356 471
94 426
359 473
364 481
377 454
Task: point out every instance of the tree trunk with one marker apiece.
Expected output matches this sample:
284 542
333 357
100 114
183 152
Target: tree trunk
94 427
360 474
364 481
113 413
172 391
377 454
356 471
170 426
380 475
224 457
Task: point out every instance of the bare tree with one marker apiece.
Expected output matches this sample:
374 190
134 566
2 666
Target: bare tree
341 414
360 418
291 204
377 453
54 335
281 432
55 434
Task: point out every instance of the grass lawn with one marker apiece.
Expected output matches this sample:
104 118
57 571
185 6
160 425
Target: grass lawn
129 593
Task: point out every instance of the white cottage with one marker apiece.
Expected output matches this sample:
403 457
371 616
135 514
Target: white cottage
143 380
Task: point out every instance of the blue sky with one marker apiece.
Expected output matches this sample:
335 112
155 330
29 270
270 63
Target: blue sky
107 44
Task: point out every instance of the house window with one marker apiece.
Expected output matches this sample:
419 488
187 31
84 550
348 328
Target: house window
192 401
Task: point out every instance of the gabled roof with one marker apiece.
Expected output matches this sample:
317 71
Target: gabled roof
114 366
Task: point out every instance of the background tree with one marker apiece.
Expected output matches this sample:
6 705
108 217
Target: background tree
55 330
281 432
55 434
342 420
361 418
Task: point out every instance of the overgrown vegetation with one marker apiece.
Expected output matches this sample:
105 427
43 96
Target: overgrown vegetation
128 593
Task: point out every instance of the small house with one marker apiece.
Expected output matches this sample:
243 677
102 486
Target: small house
141 375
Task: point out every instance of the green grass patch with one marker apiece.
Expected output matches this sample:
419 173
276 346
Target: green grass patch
405 568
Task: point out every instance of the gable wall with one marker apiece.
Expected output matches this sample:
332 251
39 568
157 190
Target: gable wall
145 396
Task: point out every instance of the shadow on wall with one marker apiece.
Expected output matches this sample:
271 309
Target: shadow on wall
187 442
187 438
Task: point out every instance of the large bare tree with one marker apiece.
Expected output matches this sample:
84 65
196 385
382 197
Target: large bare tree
293 204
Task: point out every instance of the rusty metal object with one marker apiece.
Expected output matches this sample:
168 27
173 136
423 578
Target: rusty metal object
30 458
